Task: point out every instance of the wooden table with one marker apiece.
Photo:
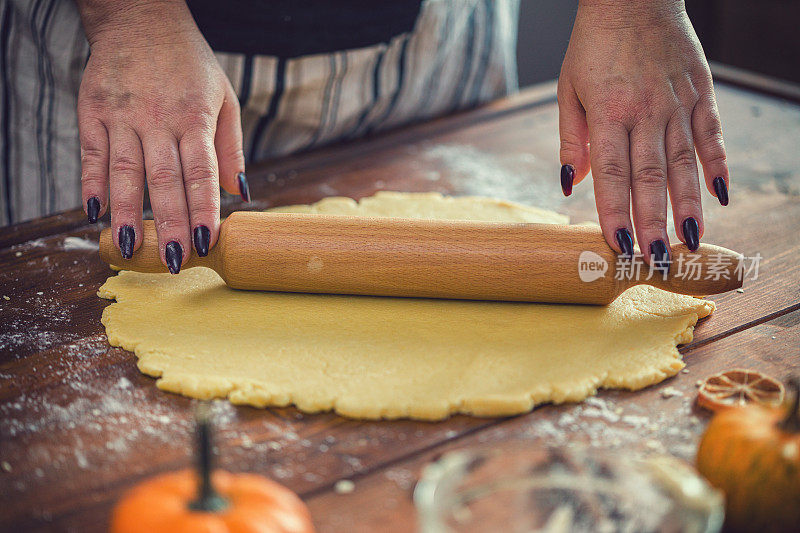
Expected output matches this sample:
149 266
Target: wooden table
79 424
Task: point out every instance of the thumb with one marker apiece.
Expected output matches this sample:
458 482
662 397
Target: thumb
228 143
574 135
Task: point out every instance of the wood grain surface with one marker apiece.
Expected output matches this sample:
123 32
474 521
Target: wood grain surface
79 424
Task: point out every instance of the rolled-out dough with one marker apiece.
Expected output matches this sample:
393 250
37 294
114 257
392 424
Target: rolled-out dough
371 357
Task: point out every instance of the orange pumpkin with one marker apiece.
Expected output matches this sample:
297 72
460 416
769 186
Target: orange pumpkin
752 454
251 503
208 501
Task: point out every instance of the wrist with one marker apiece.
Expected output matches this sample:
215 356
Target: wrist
128 21
631 12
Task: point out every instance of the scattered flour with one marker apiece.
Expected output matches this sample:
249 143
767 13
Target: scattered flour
670 392
344 486
403 478
497 175
77 243
601 423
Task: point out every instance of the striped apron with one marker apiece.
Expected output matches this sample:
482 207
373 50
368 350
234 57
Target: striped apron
460 53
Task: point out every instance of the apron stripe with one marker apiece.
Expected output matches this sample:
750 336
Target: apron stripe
467 68
247 74
433 75
6 20
376 93
45 94
401 72
326 101
485 54
272 110
51 104
337 93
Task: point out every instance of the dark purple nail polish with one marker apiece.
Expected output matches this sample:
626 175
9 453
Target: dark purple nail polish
691 233
244 188
202 238
625 241
567 177
127 238
659 256
721 189
92 209
174 255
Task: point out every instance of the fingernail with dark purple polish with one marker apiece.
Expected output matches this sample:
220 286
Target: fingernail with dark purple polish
92 209
127 237
721 189
567 177
691 233
174 254
659 256
244 188
202 237
625 241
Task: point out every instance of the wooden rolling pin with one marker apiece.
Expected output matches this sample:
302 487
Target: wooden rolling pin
424 258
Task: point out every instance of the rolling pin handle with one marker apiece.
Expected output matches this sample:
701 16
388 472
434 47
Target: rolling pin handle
708 270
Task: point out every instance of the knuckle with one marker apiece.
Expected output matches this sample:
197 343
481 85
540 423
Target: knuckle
571 142
202 122
124 165
198 174
162 177
155 112
711 137
90 155
609 211
197 114
682 157
621 107
172 222
688 197
651 177
93 97
612 170
616 113
123 205
92 178
717 160
205 212
235 154
93 182
652 222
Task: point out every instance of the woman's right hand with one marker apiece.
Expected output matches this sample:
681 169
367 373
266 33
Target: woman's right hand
155 106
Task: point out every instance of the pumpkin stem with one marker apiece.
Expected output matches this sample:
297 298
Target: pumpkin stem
208 499
792 421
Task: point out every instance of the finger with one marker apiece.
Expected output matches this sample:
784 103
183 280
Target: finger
228 144
167 198
126 169
649 192
201 182
574 135
707 132
611 174
94 166
683 181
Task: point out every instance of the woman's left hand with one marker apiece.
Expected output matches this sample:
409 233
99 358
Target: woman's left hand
635 100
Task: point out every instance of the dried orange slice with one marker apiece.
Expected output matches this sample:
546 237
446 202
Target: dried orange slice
738 387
